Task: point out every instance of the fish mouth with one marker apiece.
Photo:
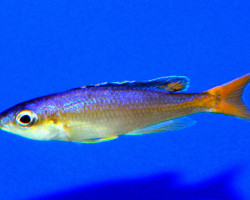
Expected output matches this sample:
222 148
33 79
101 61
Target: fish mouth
2 127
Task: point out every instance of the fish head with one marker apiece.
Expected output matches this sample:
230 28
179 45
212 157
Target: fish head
26 121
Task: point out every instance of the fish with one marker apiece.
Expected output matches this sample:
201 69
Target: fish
103 112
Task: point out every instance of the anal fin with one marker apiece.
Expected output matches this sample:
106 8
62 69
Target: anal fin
170 125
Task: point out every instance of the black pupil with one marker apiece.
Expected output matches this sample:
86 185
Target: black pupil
25 119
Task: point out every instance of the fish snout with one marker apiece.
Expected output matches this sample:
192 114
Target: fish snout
4 121
1 124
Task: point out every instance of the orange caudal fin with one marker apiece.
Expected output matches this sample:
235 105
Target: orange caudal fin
229 98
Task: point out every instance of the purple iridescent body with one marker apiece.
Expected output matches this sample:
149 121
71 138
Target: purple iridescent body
105 111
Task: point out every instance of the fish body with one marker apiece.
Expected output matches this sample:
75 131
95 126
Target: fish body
105 111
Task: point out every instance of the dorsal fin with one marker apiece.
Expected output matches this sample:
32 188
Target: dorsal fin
168 83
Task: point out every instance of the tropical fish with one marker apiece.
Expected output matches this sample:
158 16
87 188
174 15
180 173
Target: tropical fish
105 111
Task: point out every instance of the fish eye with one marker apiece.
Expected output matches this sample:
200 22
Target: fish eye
26 118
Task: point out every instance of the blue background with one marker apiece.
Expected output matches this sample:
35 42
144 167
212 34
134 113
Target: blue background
52 46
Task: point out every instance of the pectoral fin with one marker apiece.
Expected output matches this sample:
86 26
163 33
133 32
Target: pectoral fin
99 140
81 131
170 125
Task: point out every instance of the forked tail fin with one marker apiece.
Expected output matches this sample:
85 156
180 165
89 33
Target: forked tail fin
229 99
